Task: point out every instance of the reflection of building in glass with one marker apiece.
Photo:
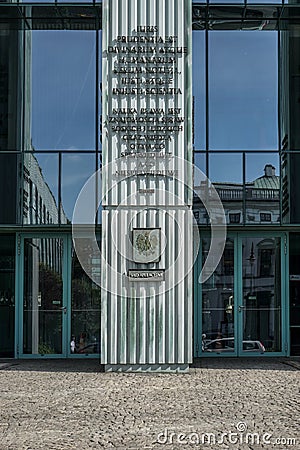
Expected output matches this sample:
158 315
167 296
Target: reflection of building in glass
39 204
14 118
260 197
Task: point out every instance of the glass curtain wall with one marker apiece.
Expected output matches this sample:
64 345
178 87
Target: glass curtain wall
236 132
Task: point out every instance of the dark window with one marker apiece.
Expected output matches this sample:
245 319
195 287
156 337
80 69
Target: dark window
265 217
265 262
228 261
234 218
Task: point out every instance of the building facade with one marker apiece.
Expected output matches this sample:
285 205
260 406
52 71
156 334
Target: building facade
176 101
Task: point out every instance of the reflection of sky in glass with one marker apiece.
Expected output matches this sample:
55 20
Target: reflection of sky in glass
76 170
200 161
199 89
226 168
243 90
63 90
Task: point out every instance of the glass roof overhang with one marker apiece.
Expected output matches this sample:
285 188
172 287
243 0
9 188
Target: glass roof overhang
88 16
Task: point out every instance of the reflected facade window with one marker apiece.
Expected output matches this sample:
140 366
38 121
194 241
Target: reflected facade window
40 193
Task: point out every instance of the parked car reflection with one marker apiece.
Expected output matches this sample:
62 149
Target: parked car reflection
227 345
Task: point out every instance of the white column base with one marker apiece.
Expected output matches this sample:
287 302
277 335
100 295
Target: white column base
147 368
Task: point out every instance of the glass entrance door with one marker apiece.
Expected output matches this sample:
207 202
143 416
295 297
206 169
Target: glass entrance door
260 306
242 302
59 304
43 290
85 303
218 304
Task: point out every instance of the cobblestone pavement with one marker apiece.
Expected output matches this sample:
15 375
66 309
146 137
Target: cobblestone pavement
73 405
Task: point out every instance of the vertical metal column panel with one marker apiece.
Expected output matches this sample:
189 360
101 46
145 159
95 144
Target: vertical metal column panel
147 183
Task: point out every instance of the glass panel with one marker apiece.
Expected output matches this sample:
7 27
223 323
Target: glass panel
200 213
63 90
10 186
200 161
225 172
262 189
290 93
243 90
295 341
7 296
290 187
86 302
264 1
261 309
294 286
38 1
74 1
218 304
10 107
231 1
43 296
289 83
199 97
76 170
40 202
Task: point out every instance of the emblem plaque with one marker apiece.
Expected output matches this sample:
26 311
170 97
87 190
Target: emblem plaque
146 245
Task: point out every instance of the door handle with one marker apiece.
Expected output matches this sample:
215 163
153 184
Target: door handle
241 307
64 309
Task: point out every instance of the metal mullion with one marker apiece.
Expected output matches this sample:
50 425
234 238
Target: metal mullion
97 94
207 109
25 19
23 93
237 293
279 118
59 187
97 123
20 188
244 188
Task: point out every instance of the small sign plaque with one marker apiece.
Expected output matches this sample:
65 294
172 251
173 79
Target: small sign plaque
146 275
